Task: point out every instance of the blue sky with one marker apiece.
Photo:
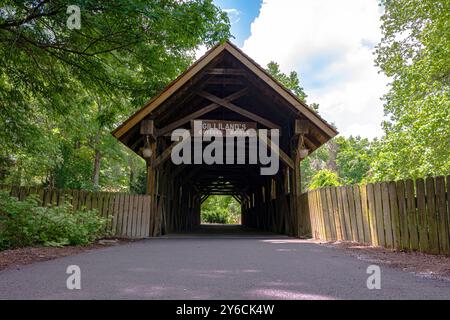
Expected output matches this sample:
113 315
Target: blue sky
329 43
242 13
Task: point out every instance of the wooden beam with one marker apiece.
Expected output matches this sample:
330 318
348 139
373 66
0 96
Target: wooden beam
235 197
313 145
296 193
164 155
243 112
137 142
225 81
175 125
204 198
226 71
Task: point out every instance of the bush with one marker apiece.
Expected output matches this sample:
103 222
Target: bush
25 223
221 209
216 216
324 178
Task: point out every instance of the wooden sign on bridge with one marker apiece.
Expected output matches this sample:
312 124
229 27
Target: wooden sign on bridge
226 128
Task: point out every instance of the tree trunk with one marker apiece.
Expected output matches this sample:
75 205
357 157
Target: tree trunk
97 156
333 150
132 174
97 159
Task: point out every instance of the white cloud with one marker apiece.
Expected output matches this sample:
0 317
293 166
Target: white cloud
201 50
330 43
233 14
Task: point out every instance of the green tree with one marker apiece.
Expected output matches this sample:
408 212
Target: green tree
319 159
62 91
353 159
415 54
315 162
221 209
290 81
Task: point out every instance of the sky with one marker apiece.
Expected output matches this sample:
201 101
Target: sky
329 43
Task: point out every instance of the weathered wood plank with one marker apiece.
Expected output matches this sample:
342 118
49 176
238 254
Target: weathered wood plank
318 213
330 213
135 215
320 209
132 216
448 200
348 223
336 213
340 205
403 215
443 226
352 212
387 215
358 213
379 215
120 214
114 214
372 214
139 221
422 212
433 235
312 215
395 218
365 214
146 217
128 217
413 223
96 202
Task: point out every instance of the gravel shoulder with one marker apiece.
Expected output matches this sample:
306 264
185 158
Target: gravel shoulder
421 264
15 258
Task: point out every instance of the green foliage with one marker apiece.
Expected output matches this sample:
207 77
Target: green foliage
291 81
138 182
324 178
319 158
221 209
63 91
219 215
353 159
415 53
24 223
315 162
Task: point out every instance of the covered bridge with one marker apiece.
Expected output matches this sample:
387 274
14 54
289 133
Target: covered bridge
225 88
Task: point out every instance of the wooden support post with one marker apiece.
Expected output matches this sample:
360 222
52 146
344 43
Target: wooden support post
151 191
296 189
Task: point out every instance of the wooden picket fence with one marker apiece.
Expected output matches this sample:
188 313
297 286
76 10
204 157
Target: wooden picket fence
404 215
129 215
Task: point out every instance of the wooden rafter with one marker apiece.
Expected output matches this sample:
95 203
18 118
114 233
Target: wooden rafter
226 72
176 124
282 155
164 156
241 111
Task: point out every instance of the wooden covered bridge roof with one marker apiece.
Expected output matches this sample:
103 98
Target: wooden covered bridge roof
225 71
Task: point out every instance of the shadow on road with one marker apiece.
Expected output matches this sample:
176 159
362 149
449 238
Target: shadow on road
222 231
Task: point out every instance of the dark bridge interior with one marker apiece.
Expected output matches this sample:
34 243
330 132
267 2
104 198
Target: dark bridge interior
225 85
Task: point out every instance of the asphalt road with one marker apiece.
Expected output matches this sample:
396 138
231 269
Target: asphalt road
216 266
